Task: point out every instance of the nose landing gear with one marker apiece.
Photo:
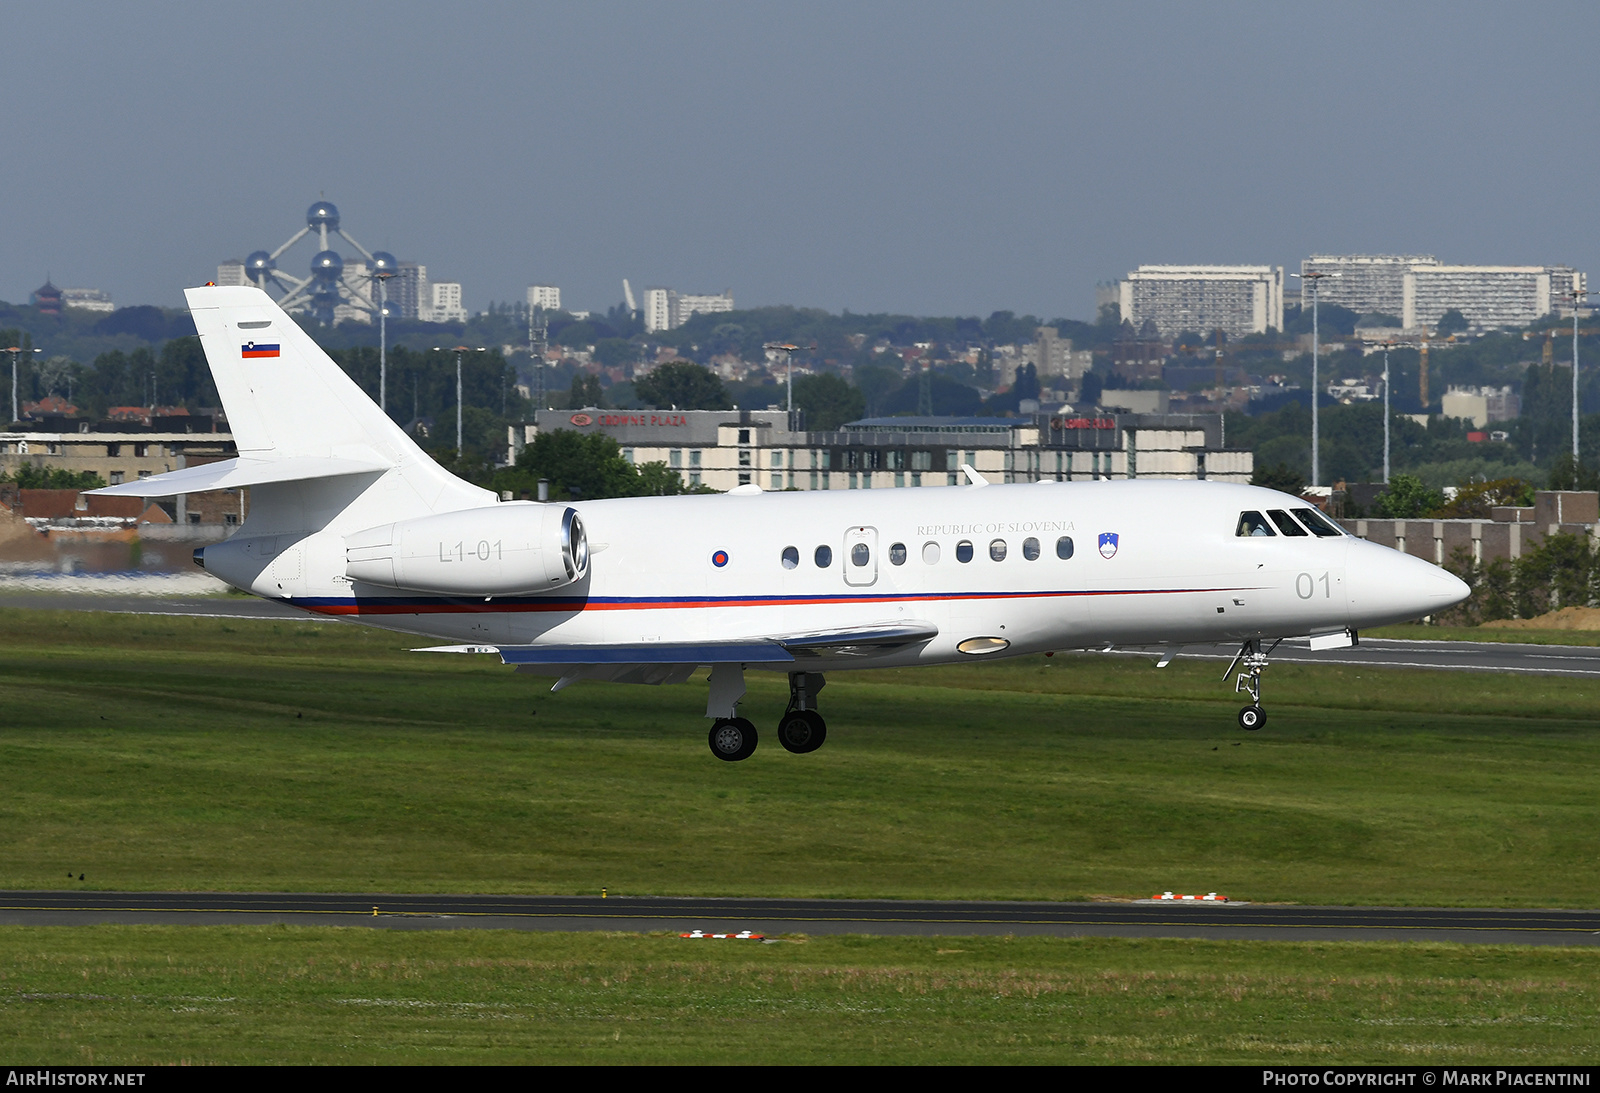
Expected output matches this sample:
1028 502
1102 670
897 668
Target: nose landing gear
1254 662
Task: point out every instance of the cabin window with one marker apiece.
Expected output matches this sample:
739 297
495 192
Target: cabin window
930 553
997 550
1253 524
1030 549
1318 523
1285 522
897 554
823 557
860 555
791 557
964 551
1064 547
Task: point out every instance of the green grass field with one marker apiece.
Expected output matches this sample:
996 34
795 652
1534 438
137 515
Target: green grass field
162 753
202 754
282 995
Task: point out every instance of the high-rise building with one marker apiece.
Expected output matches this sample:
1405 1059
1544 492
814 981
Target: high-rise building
546 297
686 307
232 272
665 309
1055 358
1237 300
445 303
1488 297
407 291
1364 283
658 309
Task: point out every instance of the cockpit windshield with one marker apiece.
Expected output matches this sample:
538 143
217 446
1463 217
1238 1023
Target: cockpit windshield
1252 524
1285 523
1318 523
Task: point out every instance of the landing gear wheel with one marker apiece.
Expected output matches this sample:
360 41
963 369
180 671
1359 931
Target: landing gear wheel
802 731
1252 718
733 739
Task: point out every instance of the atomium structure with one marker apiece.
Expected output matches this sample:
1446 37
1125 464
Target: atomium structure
332 291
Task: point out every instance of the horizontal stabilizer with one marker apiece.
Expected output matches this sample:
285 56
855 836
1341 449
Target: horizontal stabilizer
233 473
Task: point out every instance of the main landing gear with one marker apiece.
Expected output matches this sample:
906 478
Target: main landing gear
1254 662
800 730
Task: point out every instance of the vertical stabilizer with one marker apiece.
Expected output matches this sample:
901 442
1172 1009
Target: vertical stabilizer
286 399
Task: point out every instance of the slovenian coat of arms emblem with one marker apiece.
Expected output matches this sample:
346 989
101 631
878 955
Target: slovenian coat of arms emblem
1108 544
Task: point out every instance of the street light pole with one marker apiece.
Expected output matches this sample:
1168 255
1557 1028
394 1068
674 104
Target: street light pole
383 344
788 367
15 351
1576 295
1386 347
1312 278
458 350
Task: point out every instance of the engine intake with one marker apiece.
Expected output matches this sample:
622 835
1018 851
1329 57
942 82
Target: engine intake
501 550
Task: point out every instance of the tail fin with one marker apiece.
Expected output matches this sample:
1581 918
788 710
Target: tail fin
284 397
287 401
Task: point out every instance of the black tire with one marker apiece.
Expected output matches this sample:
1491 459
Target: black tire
732 739
802 731
1252 718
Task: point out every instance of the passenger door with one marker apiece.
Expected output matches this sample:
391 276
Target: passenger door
861 556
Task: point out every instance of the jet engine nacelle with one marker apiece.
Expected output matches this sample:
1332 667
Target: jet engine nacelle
508 549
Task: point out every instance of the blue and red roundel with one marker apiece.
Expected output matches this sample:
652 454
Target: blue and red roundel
719 559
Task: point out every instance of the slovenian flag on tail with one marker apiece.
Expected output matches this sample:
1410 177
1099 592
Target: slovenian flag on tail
254 350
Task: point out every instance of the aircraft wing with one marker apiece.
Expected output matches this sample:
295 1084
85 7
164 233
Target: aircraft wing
860 641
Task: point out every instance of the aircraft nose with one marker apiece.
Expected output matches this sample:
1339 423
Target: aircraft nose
1387 586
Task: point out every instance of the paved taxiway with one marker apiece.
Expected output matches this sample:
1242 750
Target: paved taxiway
1467 656
809 916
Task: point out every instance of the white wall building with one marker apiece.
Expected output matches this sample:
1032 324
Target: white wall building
546 297
686 306
445 303
231 272
1237 300
1364 283
1489 297
87 299
658 309
726 449
665 309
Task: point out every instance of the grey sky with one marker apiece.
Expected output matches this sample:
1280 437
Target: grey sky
923 158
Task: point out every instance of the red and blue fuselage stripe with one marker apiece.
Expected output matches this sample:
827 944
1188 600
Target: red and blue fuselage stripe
430 605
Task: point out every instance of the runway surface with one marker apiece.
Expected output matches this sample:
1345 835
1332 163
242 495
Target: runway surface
809 916
1467 656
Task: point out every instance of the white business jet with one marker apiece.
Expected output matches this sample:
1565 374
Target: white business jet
349 518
